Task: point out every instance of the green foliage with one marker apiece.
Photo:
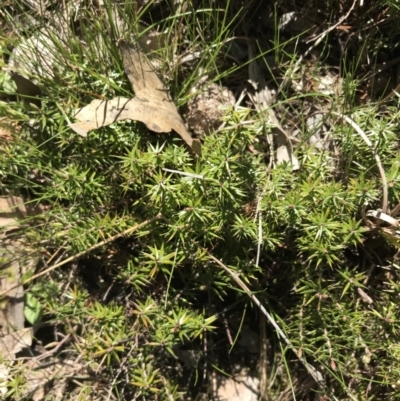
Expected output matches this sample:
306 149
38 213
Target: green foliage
129 303
32 309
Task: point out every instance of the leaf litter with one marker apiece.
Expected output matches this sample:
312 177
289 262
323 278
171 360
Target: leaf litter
152 104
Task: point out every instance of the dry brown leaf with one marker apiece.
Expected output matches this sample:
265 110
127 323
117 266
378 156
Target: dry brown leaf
13 343
152 104
149 89
10 345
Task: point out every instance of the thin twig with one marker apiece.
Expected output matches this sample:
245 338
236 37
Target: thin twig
78 255
395 211
365 138
54 350
260 235
322 35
